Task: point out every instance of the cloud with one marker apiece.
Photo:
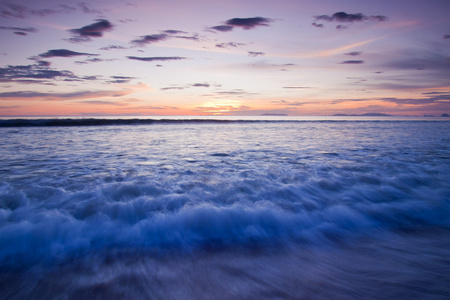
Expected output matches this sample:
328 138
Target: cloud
254 54
63 53
120 79
447 36
229 45
248 23
244 23
36 73
157 58
200 85
93 60
19 30
148 39
173 88
296 87
343 17
113 47
445 98
222 28
171 31
341 27
10 10
317 25
353 53
63 96
84 34
352 62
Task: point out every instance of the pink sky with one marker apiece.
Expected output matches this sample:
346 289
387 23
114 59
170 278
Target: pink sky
71 58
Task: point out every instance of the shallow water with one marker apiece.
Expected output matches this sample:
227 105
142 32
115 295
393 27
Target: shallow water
226 210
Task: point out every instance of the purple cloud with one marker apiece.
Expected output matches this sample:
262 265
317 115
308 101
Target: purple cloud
248 23
19 30
158 58
343 17
352 62
244 23
63 53
148 39
353 53
255 53
85 33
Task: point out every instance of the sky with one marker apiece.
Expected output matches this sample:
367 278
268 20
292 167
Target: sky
208 57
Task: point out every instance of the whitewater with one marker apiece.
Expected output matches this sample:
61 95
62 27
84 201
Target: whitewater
224 209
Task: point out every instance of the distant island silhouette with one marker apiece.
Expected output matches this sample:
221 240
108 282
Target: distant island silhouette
267 114
363 115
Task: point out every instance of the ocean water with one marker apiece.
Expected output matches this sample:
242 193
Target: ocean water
310 209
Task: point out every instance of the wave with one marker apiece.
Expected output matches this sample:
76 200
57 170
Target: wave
50 225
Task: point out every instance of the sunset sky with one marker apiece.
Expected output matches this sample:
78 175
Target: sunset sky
207 57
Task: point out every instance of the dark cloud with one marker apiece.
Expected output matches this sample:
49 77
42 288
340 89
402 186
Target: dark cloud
63 96
435 93
157 58
341 27
36 73
352 62
222 28
63 53
248 23
200 85
93 60
85 33
192 38
345 17
317 25
10 10
173 88
148 39
254 53
420 101
171 31
353 53
229 45
113 47
244 23
447 36
120 79
19 30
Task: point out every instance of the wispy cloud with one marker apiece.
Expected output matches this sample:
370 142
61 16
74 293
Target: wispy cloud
229 45
157 58
113 47
31 95
19 30
255 53
13 10
149 39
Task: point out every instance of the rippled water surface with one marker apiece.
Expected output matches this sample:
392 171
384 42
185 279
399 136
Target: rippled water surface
238 210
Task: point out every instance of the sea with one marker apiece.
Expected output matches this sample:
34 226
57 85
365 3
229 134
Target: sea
265 207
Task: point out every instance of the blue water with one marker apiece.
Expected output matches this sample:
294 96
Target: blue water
225 210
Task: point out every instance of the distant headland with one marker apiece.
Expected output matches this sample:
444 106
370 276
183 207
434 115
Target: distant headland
363 115
277 115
